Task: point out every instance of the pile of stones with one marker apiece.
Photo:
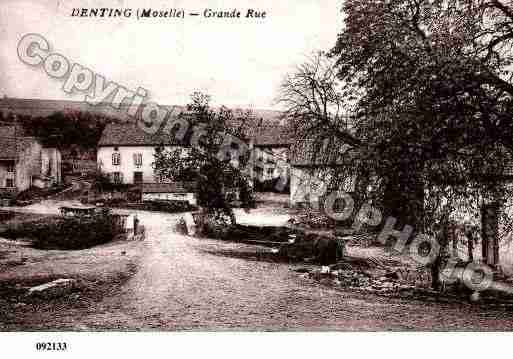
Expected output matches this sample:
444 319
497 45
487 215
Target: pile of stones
372 280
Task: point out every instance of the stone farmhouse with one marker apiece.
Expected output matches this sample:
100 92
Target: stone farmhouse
25 162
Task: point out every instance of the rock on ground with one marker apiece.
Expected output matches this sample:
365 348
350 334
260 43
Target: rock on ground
53 289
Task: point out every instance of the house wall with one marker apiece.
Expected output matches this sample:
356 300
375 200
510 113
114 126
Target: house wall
308 184
32 161
127 164
28 164
273 162
51 164
265 164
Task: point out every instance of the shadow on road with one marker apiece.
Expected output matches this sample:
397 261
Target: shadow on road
260 255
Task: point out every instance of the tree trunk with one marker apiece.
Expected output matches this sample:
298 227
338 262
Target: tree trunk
435 273
443 253
490 235
454 245
404 200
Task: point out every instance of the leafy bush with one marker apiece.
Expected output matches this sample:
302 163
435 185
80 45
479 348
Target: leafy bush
213 224
258 233
216 162
170 206
272 185
67 233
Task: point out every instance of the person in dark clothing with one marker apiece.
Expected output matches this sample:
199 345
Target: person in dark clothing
136 224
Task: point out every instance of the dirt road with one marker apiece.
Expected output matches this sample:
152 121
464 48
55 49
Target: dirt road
185 283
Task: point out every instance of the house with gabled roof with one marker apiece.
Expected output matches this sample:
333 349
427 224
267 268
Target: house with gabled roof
126 155
271 143
314 165
25 162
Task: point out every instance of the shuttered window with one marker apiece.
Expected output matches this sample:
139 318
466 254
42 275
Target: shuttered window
138 159
116 159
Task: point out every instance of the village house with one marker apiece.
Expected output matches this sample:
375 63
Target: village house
266 131
25 162
126 154
313 169
271 145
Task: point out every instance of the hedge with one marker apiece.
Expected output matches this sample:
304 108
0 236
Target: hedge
67 233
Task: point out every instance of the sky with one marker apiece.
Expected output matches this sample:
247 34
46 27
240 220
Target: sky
239 62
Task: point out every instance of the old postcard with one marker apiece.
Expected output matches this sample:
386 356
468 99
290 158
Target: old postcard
244 166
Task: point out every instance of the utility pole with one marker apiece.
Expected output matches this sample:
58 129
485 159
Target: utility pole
15 152
15 116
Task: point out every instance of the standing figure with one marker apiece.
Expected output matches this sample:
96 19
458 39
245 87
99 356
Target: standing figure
136 224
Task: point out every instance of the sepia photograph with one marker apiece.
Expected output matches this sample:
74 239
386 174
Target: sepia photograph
303 166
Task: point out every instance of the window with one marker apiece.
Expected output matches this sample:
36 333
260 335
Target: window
138 177
138 159
10 168
116 159
9 182
270 171
117 177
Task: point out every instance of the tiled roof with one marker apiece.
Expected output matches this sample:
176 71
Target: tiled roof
9 138
312 153
172 187
271 135
7 142
131 134
265 128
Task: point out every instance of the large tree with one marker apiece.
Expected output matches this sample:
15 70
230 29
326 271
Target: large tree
215 158
437 101
435 92
318 108
429 83
314 101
